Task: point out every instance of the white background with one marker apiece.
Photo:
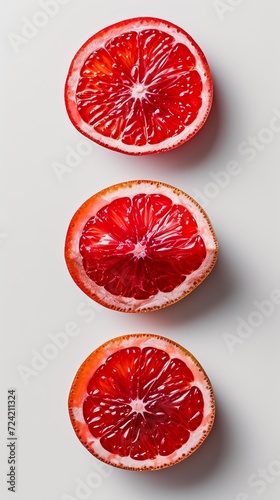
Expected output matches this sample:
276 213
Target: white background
240 460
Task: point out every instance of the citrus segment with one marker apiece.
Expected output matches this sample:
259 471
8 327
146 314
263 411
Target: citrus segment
139 245
141 402
140 86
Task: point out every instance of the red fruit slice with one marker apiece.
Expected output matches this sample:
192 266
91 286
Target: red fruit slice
139 246
141 402
140 86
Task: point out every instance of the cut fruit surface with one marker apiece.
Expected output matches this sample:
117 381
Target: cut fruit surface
139 246
141 402
140 86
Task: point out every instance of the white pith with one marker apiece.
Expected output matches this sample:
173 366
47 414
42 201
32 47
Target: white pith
196 437
138 91
130 189
139 250
137 406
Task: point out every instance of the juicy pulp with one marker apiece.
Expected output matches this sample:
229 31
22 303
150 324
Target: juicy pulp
136 247
141 403
140 88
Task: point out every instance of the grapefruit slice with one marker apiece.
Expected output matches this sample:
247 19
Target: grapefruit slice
139 246
141 402
140 86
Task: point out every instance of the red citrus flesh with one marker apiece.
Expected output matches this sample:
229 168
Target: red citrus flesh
139 246
141 402
138 268
140 86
